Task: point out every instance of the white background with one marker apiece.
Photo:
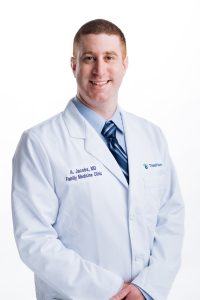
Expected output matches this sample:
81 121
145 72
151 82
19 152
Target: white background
162 84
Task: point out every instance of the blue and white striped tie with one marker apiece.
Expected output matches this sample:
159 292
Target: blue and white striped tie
109 132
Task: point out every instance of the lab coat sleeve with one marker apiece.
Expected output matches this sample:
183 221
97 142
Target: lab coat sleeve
35 207
156 279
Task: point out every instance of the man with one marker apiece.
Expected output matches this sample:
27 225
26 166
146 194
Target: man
97 210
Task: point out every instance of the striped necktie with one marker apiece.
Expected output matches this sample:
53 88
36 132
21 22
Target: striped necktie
109 132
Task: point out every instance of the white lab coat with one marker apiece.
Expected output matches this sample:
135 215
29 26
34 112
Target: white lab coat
76 220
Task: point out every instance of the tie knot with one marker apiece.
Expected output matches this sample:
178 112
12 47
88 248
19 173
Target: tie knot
109 130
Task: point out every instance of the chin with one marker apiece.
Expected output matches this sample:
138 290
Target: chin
96 99
101 98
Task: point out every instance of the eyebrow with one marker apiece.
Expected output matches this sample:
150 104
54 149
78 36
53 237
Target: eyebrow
105 53
111 53
87 52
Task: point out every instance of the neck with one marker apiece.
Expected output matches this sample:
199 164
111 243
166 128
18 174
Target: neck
104 109
105 112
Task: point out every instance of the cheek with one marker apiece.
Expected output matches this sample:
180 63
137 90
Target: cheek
82 79
119 76
118 71
82 73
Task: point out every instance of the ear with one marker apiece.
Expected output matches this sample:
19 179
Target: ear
73 65
125 63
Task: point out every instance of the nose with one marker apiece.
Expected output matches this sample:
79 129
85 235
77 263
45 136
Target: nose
99 68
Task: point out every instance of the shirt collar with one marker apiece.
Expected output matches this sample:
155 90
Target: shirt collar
117 119
95 119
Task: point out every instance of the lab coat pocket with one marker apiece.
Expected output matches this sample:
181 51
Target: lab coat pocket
154 181
154 187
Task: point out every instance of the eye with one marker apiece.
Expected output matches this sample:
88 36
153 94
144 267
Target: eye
88 58
109 58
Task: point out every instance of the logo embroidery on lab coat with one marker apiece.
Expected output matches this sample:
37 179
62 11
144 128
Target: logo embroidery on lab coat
76 174
147 166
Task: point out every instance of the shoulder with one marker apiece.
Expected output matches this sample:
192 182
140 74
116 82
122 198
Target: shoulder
56 126
43 137
144 129
45 126
40 135
50 130
139 122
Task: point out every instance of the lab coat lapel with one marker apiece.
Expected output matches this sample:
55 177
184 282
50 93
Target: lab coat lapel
134 140
97 148
78 127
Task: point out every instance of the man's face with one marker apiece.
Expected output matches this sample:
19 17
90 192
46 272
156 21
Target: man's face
99 66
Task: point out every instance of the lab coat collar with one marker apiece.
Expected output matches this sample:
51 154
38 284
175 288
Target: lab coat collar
78 127
74 121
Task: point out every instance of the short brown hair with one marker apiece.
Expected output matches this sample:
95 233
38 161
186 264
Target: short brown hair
98 26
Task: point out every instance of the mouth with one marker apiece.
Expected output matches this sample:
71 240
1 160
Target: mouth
99 83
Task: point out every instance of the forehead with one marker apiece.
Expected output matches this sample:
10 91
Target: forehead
99 43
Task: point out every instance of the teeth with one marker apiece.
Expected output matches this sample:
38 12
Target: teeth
99 83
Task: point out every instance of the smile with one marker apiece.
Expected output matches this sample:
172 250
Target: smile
99 83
